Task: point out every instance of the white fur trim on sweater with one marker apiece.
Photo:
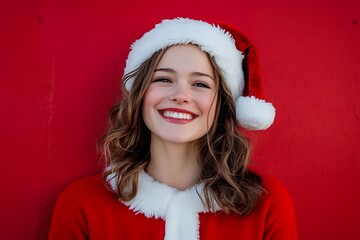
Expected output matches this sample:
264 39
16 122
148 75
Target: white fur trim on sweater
179 209
210 38
254 113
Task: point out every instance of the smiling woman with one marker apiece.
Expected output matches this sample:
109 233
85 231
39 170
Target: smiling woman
179 108
174 152
179 104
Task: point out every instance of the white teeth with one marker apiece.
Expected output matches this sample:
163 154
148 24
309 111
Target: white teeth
177 115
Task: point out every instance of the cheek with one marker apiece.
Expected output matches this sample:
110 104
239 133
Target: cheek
151 97
208 106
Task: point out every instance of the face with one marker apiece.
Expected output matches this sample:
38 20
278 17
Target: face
179 104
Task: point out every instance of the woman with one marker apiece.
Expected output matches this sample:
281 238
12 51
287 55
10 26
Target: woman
176 163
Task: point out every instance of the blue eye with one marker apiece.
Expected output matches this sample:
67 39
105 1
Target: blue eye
201 84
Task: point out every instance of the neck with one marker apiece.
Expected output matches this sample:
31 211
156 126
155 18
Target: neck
173 164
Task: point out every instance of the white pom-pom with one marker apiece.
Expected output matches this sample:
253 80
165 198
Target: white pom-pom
253 113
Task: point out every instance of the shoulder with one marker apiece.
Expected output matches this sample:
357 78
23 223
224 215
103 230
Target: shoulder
69 220
82 192
276 204
275 194
83 185
273 188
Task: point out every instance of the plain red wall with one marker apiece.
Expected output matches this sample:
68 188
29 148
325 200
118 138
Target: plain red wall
59 69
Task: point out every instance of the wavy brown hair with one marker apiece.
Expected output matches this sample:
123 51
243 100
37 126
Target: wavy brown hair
223 152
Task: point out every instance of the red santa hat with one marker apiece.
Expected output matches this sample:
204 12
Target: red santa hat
233 53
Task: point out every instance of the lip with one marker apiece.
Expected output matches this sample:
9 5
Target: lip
176 120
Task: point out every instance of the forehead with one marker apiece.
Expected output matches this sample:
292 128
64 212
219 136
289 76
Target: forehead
187 57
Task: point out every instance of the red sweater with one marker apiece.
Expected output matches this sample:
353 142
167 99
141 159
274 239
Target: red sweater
87 210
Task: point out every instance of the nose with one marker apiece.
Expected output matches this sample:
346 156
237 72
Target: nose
181 94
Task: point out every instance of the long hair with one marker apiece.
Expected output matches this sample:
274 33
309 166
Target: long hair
223 152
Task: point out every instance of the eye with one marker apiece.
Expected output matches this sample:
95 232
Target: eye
162 79
201 84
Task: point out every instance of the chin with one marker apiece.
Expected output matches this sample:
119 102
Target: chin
182 139
176 139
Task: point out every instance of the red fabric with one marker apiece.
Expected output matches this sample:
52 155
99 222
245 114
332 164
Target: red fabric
86 210
253 83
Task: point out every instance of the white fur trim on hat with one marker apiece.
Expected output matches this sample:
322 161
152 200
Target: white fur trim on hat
210 38
251 112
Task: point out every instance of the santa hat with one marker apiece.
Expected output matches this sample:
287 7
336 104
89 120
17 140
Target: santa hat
233 53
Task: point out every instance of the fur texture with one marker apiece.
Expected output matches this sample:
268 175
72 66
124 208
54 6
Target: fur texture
254 113
179 209
228 47
217 43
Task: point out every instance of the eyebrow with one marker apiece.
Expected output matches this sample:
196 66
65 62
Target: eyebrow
170 70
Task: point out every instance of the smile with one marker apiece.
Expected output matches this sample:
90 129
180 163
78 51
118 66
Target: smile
177 115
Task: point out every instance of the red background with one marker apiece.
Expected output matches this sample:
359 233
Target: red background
59 69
